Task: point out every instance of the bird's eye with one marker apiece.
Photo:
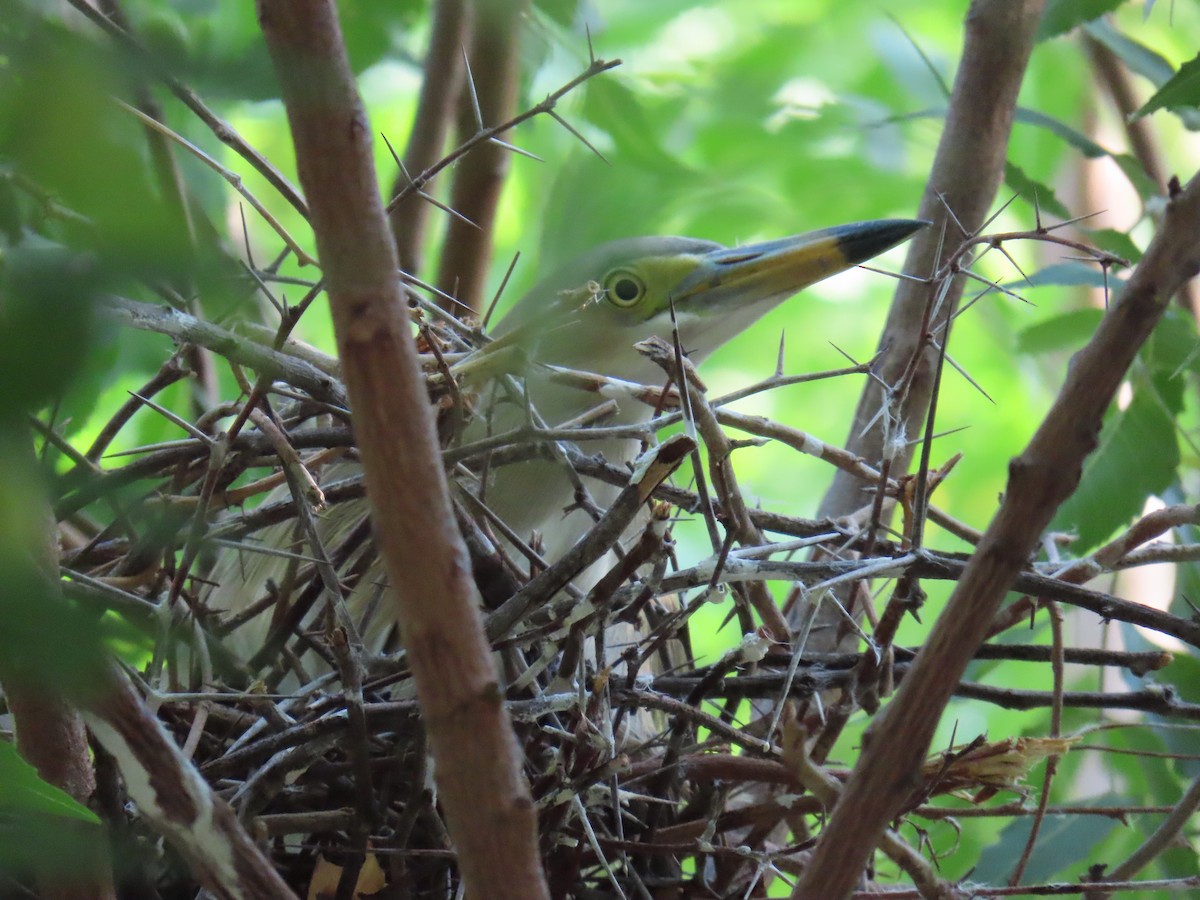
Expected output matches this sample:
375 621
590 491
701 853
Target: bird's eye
624 288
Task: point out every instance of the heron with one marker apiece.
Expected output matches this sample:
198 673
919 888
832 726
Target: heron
586 316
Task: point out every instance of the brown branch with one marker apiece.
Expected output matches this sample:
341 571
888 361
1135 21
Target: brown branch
547 105
1056 669
966 173
170 793
487 804
170 372
1111 74
440 86
1040 479
492 94
52 738
736 516
852 465
828 790
1168 886
598 541
1106 559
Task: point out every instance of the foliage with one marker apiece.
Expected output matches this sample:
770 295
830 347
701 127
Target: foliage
27 794
729 121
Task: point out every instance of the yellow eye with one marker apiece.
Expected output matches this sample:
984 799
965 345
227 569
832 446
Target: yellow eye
623 288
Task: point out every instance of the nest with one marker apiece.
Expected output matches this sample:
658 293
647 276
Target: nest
654 774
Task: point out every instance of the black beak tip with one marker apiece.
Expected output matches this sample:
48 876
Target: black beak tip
863 240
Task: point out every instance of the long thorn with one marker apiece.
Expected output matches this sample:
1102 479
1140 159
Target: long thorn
992 218
571 128
474 93
504 145
487 316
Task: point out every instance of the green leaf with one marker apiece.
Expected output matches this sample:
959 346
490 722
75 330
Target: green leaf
1142 60
614 107
22 791
1072 136
1036 193
1062 16
591 201
1067 274
216 46
11 218
563 12
1067 331
1138 456
1137 56
1064 841
370 29
44 637
1129 165
47 323
1115 242
1174 345
1182 91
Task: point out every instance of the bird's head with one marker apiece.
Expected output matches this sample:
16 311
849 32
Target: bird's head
588 314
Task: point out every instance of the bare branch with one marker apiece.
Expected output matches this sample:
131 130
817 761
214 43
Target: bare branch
482 789
479 178
440 85
1040 479
966 174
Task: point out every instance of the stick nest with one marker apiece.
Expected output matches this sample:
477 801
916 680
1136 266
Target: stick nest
655 774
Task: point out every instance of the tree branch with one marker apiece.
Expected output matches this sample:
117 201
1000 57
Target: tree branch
479 179
1040 479
966 173
440 86
487 803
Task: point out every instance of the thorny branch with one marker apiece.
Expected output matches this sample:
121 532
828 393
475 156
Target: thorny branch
324 715
341 757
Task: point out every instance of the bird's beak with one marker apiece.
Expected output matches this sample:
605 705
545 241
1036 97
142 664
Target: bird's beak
774 270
